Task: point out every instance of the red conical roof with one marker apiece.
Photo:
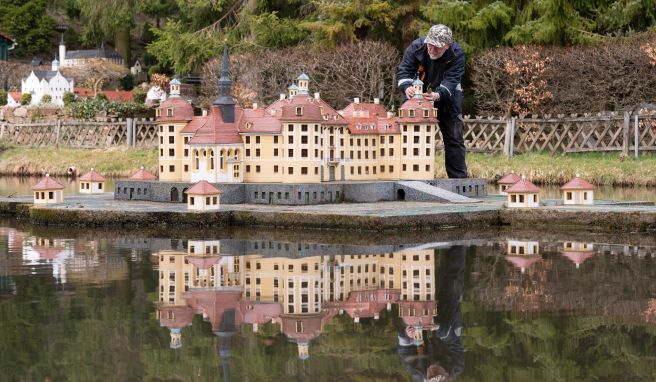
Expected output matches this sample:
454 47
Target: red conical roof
511 178
203 188
47 183
143 175
578 183
523 185
92 176
578 257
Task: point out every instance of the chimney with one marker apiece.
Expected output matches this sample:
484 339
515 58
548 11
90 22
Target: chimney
282 96
356 100
254 105
376 101
204 112
316 95
390 114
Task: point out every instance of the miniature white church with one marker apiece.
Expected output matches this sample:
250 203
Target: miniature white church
47 82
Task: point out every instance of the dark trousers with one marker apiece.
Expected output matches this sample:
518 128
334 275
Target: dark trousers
454 147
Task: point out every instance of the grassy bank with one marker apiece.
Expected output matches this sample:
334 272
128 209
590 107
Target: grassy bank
600 168
112 162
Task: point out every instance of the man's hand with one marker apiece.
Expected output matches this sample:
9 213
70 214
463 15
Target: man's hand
432 96
410 92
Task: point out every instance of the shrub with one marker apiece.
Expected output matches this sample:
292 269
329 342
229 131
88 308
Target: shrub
68 98
101 97
127 82
3 97
25 99
139 95
47 98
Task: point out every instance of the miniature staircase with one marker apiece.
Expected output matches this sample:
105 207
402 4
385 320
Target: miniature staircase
419 191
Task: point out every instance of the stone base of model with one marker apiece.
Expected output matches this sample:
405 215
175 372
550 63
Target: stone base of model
438 190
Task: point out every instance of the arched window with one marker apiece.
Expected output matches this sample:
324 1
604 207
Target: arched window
236 154
196 160
221 156
211 159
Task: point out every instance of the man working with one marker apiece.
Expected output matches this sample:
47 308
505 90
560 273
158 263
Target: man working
440 63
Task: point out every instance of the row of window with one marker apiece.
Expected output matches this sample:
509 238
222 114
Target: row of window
42 195
514 198
209 200
316 195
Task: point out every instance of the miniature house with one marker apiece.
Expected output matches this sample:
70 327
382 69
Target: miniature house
48 191
578 252
578 191
523 194
507 181
522 253
92 183
203 196
142 174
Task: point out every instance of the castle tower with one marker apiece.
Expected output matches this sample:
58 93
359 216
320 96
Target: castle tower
303 81
419 88
293 90
224 101
176 338
175 87
303 350
55 65
62 51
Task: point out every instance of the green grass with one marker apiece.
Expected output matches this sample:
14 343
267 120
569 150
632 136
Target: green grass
112 162
609 169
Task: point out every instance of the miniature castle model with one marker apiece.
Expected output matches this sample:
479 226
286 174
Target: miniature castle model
92 183
523 194
507 181
82 57
578 191
47 82
48 191
203 197
297 139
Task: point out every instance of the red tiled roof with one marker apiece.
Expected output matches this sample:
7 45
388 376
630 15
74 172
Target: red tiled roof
523 185
182 110
368 109
15 95
112 95
260 122
203 188
142 174
311 109
418 104
195 124
47 183
215 131
92 176
578 183
511 178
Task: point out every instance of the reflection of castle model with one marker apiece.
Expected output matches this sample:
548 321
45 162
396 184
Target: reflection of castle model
301 295
297 139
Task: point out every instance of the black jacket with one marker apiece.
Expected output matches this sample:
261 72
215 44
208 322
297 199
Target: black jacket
443 75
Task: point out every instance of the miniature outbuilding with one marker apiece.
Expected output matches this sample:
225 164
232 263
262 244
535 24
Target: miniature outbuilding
523 194
48 191
203 196
142 174
507 181
92 183
578 191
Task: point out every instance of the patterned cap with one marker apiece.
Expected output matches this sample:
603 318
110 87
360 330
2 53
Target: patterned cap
439 35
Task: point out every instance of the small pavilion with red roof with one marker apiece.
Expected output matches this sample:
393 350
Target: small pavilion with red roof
578 191
48 191
92 183
203 196
507 181
578 252
142 174
523 194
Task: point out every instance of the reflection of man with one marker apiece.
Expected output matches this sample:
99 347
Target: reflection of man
440 63
437 354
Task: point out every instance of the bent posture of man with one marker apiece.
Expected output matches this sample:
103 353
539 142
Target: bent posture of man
440 63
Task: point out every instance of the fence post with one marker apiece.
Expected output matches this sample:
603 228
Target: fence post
57 131
506 141
128 131
636 135
513 125
625 143
134 132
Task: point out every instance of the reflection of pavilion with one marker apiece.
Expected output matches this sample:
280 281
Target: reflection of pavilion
578 252
522 254
300 295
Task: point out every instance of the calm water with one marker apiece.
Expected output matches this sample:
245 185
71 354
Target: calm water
323 306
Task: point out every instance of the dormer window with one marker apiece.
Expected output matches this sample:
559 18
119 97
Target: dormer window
158 112
435 113
249 125
426 114
411 113
400 113
169 112
299 110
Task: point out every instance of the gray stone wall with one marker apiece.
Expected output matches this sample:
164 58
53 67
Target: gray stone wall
471 187
294 194
368 192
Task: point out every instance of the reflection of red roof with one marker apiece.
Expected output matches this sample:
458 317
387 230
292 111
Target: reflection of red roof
48 253
181 316
523 185
142 174
203 188
578 183
312 325
523 262
213 303
511 178
203 262
47 183
406 308
92 176
260 312
578 257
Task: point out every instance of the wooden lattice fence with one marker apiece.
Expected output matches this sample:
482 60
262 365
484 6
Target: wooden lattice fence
608 132
83 134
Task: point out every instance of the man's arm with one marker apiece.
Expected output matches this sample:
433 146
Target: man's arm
407 69
452 77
